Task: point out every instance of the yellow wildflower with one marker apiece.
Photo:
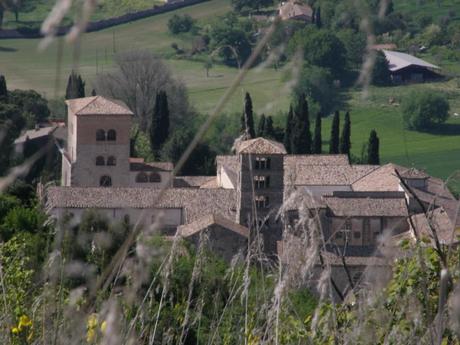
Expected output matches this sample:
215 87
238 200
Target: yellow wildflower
92 321
24 321
103 326
15 330
90 335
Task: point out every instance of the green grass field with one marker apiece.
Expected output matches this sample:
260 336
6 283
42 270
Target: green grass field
25 67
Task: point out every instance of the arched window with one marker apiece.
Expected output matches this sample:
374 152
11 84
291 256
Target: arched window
111 161
100 135
154 177
142 177
105 181
111 135
100 160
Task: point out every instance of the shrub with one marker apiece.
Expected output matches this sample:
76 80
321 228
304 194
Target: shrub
422 110
178 24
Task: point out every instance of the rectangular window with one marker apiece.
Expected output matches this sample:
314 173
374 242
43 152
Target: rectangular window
356 235
262 201
261 182
262 163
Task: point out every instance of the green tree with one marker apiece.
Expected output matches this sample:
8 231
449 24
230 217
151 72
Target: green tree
11 124
335 128
317 139
239 5
159 127
321 48
261 126
75 87
34 107
355 43
247 119
3 89
318 21
20 219
381 71
345 139
7 203
373 156
300 133
270 132
288 130
178 23
424 109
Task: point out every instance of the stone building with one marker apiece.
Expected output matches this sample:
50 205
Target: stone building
260 190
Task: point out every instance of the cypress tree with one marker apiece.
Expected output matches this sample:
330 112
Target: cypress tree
93 93
334 141
345 140
301 136
75 87
261 126
247 119
269 129
159 128
317 141
373 156
288 130
318 21
3 89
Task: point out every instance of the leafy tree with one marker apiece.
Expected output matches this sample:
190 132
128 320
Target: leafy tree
159 127
33 106
345 139
300 133
288 130
424 109
20 219
7 203
335 128
239 5
247 119
11 124
318 21
381 72
261 126
178 23
317 139
269 132
321 48
3 89
317 84
373 156
75 86
355 44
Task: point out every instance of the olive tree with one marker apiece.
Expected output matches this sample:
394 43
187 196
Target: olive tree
422 110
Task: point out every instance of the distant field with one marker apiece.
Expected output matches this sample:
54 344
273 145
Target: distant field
429 7
439 154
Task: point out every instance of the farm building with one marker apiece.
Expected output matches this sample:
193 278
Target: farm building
406 68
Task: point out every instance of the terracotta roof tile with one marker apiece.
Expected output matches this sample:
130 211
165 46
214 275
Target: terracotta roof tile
441 223
98 105
210 220
259 146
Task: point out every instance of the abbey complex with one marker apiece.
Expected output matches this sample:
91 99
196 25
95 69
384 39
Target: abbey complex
259 193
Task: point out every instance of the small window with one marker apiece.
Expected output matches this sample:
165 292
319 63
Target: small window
112 161
100 160
155 177
105 181
356 235
262 201
111 135
262 163
142 177
100 135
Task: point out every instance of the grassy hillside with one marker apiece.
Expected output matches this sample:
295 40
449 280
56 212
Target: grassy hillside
26 68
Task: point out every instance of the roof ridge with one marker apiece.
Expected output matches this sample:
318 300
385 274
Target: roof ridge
86 105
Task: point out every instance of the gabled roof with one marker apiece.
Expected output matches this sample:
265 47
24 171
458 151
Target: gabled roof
398 60
32 134
98 105
212 220
260 146
293 9
440 221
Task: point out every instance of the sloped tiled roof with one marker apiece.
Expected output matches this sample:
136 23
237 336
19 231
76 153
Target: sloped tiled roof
383 178
293 9
441 223
362 205
195 201
210 220
98 105
398 60
260 146
229 161
138 164
192 181
32 134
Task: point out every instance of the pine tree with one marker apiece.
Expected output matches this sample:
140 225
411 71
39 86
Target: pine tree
373 156
300 135
75 87
3 89
159 128
261 126
288 130
345 139
334 141
317 140
318 21
247 119
269 129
